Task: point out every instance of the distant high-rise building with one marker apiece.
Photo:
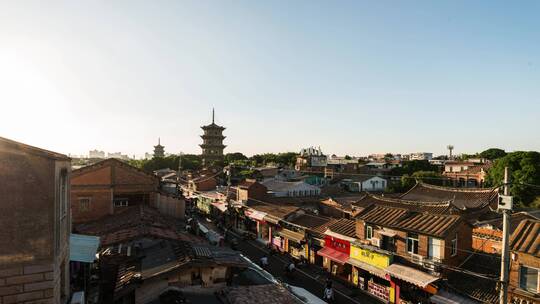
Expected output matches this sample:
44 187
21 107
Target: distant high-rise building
96 154
212 146
159 150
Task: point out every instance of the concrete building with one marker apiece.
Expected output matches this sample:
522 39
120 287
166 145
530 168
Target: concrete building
280 188
212 146
96 154
421 156
35 221
311 159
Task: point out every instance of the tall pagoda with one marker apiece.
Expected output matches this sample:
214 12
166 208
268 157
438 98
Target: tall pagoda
159 150
212 146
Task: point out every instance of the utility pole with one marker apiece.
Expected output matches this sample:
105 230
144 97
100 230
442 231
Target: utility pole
505 206
179 173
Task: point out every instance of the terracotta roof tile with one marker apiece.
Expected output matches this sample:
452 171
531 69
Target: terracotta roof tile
526 238
461 198
344 227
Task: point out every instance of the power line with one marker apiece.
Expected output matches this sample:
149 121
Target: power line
453 268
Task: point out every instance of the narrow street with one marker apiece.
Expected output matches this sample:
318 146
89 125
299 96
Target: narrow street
310 278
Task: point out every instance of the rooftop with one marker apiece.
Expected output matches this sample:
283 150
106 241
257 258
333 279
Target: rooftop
344 227
525 238
461 198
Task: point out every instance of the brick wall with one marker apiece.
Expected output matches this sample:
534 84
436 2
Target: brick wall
464 233
487 240
100 204
360 229
516 260
28 284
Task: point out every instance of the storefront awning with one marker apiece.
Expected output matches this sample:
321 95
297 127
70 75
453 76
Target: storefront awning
254 214
83 248
334 255
221 206
369 268
292 235
411 275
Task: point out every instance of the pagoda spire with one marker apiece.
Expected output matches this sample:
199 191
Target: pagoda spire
213 114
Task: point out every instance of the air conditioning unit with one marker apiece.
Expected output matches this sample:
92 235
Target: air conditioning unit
376 242
417 259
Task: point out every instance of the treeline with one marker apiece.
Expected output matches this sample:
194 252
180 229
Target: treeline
194 162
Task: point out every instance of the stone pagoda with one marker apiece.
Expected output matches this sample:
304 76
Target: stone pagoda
159 150
212 146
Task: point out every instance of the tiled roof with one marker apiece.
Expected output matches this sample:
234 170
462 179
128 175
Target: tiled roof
134 222
262 294
461 198
482 289
309 221
404 219
430 224
278 210
246 183
344 227
436 207
526 238
111 162
515 219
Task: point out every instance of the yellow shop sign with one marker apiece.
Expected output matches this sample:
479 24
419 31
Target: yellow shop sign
370 257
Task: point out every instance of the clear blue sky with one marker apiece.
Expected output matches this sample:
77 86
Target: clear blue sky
352 77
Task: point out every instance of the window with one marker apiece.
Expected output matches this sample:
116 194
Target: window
369 232
63 194
84 204
121 202
453 246
528 278
412 243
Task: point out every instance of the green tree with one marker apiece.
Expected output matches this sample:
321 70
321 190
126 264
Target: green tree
493 153
234 157
428 177
524 169
409 167
347 157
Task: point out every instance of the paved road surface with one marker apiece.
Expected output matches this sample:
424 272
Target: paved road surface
307 279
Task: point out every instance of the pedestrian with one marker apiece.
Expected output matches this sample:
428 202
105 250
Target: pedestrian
264 261
328 282
328 294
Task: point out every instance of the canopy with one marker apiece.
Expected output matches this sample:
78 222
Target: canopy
369 268
387 232
254 214
83 248
411 275
334 255
292 235
221 206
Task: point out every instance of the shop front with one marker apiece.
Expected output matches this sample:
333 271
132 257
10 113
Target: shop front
335 256
293 243
368 272
411 285
257 227
314 244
